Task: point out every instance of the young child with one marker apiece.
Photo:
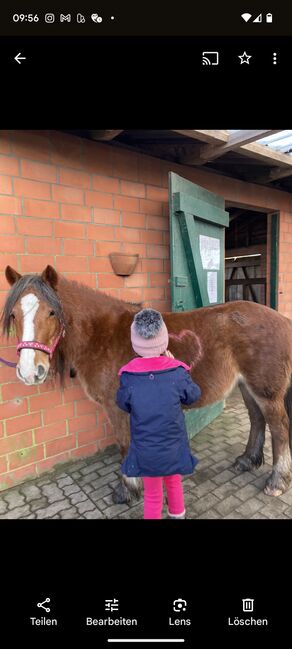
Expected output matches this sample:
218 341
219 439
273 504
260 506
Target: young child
152 389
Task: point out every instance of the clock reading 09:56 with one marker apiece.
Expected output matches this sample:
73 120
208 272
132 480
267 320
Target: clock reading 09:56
30 18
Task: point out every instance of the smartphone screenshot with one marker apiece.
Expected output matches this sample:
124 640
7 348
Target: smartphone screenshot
146 322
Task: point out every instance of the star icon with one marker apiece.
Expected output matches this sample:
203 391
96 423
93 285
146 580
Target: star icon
244 58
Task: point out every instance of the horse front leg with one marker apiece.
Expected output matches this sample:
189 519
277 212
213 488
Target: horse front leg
281 476
127 487
253 455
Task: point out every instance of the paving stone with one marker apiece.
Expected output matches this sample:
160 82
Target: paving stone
87 488
30 491
100 504
205 503
18 512
95 466
90 477
227 505
100 482
224 476
53 509
259 515
116 457
250 507
247 492
111 467
211 513
134 512
77 466
274 508
100 493
43 481
201 476
40 503
3 506
115 510
75 475
243 479
225 490
287 497
203 488
78 498
234 515
69 513
71 489
14 498
26 517
94 514
52 492
64 482
85 506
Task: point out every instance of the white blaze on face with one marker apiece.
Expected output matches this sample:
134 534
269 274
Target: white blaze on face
29 304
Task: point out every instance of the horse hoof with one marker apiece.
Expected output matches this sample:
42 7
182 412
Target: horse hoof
121 494
243 463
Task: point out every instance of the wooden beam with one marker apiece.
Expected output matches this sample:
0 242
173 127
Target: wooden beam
267 154
273 174
205 136
234 142
105 136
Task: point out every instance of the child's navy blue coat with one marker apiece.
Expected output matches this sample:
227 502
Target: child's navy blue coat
159 442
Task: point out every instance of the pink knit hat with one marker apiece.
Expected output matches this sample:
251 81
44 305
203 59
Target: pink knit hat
149 335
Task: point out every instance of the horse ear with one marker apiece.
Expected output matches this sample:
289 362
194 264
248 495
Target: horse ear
50 276
11 275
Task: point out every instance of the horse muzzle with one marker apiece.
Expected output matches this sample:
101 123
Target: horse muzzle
35 377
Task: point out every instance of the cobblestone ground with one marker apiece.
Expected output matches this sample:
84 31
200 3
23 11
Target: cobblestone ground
84 489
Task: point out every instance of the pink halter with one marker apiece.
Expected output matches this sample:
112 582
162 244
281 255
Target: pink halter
32 344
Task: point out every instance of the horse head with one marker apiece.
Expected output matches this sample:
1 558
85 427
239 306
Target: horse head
34 311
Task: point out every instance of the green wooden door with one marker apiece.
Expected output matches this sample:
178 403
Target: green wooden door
197 222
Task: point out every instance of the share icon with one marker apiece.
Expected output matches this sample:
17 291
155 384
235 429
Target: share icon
41 605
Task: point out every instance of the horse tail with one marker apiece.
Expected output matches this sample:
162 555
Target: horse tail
288 406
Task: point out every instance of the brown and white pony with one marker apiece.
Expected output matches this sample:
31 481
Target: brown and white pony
62 324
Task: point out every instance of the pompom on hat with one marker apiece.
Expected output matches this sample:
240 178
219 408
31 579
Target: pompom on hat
149 335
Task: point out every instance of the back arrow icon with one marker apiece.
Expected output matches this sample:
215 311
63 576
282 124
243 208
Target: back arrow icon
19 58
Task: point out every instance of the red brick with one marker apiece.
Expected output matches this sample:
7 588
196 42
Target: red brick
161 252
100 232
112 292
152 265
41 209
74 264
5 185
73 393
32 189
51 463
67 194
75 178
159 305
126 203
53 431
5 146
125 164
17 390
13 408
151 207
15 442
83 422
26 456
128 234
97 158
76 213
98 199
36 227
110 217
157 193
38 171
85 406
159 279
87 279
60 445
5 374
31 144
157 223
35 263
137 279
47 400
104 248
78 247
105 184
11 243
10 205
84 451
109 280
100 265
20 475
134 220
134 248
133 189
151 236
26 422
108 441
154 293
86 436
166 238
150 170
66 149
59 412
131 294
69 230
7 225
3 464
8 165
51 246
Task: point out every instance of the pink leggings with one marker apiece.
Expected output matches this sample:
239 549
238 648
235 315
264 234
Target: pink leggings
153 496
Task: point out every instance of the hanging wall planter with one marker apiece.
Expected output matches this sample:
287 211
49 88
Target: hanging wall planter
123 263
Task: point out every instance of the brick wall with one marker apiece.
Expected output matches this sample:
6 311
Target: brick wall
69 202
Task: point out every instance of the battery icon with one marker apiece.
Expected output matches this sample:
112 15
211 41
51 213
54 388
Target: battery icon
269 18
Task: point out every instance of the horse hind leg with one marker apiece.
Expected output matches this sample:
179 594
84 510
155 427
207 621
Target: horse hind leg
277 418
253 456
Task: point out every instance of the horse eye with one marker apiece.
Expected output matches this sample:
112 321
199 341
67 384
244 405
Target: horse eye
52 313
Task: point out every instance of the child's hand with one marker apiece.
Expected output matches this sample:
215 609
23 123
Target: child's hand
169 354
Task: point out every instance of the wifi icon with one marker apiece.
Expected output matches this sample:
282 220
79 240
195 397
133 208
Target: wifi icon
246 17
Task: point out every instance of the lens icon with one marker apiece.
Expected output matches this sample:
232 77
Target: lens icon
49 18
96 18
